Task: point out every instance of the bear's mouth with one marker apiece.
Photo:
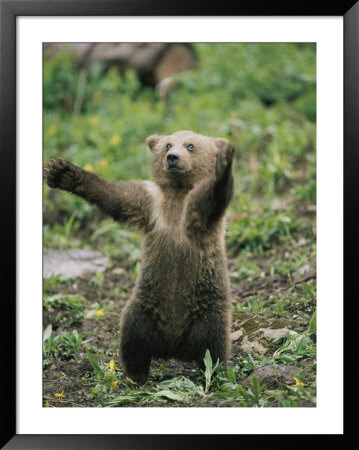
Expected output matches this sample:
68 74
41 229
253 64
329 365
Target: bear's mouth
174 169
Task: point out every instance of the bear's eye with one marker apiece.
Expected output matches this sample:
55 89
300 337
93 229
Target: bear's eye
168 146
190 147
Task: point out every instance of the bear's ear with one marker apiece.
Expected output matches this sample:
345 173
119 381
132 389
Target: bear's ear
151 141
223 145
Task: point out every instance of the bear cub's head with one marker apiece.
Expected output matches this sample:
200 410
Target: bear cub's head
184 157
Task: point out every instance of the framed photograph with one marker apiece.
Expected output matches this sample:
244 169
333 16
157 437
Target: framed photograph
106 86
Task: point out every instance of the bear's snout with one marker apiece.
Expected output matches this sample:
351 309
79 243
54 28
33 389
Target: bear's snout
172 159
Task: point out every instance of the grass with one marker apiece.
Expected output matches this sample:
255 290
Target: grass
262 97
275 144
113 389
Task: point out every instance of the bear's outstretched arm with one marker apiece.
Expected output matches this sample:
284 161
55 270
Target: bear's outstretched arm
126 202
210 199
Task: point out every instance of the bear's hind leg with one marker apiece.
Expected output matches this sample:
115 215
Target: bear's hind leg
135 359
135 345
212 336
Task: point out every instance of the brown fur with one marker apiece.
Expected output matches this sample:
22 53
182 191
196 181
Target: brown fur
181 302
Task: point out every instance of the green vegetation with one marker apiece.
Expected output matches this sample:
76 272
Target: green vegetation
113 389
66 345
262 97
69 308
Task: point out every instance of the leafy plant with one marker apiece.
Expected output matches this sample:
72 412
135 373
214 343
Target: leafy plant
253 306
64 345
312 328
296 346
70 343
51 282
50 343
210 369
70 307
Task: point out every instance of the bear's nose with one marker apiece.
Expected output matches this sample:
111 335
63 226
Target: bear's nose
172 159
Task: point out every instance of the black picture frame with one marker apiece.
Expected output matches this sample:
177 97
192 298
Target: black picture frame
9 10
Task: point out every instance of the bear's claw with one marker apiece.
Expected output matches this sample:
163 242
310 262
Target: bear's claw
60 174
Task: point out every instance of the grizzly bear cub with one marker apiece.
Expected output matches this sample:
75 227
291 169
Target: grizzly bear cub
181 302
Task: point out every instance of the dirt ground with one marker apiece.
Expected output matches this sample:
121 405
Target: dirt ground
75 376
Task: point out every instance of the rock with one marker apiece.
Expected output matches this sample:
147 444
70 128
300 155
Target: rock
72 263
303 273
302 241
257 333
272 378
236 335
119 271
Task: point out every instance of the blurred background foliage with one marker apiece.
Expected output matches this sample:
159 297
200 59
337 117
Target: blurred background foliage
262 97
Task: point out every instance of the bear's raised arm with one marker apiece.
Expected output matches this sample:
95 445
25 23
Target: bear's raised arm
209 200
127 202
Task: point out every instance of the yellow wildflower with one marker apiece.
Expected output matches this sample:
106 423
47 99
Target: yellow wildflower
63 241
99 312
61 395
47 404
114 384
95 120
112 365
298 383
116 140
103 164
89 167
52 130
